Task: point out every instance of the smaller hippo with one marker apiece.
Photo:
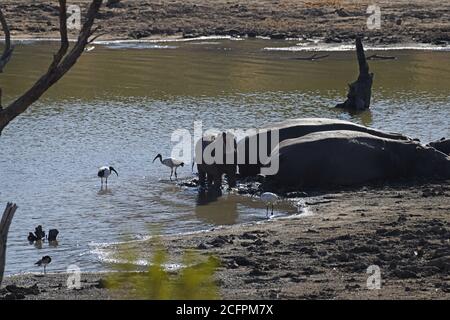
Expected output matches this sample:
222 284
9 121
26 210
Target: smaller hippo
221 150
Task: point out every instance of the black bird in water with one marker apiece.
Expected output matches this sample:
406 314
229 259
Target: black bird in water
44 262
52 234
31 237
40 234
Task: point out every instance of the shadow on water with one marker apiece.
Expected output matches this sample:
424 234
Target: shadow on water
214 209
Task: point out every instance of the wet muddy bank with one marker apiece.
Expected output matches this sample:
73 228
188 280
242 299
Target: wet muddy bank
325 254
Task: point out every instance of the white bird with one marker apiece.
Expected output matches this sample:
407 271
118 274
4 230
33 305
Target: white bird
269 198
173 164
44 262
105 172
88 49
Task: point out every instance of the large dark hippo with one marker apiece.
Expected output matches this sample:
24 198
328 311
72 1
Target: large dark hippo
294 128
443 145
348 158
221 149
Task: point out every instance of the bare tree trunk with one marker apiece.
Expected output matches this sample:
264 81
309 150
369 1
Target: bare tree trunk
7 217
7 51
62 62
360 91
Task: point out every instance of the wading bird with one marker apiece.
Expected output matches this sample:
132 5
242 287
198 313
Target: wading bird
105 172
44 262
40 234
269 198
52 234
31 237
171 163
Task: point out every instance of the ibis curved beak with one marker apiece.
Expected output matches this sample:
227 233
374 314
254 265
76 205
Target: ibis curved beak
114 170
157 156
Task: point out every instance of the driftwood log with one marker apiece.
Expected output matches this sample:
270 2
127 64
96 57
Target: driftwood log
62 62
314 57
360 91
380 57
5 222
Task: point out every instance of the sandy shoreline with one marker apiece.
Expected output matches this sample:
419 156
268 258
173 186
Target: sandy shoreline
405 231
425 21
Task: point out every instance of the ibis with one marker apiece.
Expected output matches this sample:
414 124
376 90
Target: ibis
173 164
105 172
269 199
44 262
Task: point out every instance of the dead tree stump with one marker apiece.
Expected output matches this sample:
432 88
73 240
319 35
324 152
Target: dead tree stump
7 217
360 91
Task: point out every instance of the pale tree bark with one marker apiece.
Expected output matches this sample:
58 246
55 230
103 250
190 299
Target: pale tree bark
5 222
62 62
360 91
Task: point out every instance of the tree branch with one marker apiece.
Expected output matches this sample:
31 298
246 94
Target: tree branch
96 37
61 64
63 34
5 222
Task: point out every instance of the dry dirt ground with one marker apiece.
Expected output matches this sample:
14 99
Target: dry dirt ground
334 20
323 253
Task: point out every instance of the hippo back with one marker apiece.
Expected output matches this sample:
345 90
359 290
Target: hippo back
348 158
296 128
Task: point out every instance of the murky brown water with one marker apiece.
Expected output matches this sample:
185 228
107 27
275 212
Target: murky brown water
121 103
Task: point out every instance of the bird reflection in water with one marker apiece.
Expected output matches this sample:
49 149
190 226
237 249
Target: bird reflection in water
104 191
38 244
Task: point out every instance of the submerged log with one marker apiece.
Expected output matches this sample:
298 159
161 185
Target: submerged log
5 222
314 57
380 57
360 91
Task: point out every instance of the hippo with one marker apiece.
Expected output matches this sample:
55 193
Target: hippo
212 172
442 145
296 128
350 158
